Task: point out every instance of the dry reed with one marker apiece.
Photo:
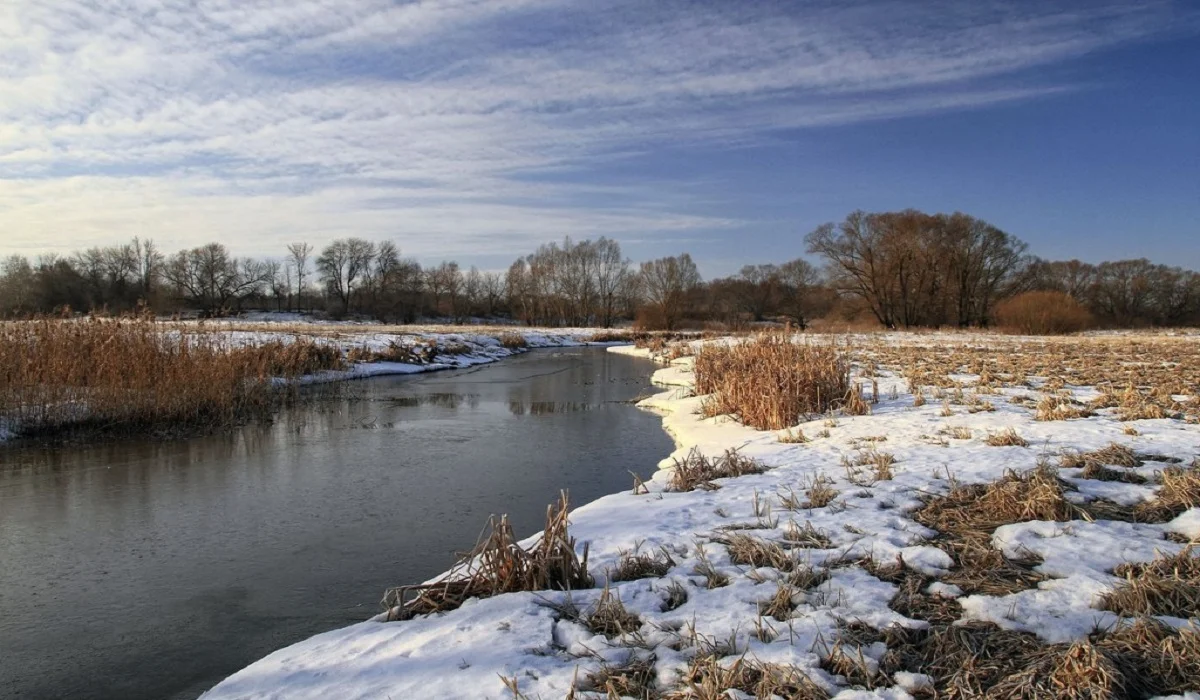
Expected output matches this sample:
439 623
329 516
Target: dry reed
132 375
771 382
498 564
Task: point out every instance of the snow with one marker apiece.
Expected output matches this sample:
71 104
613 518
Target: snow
463 653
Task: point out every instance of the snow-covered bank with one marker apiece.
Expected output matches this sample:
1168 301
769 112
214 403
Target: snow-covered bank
708 603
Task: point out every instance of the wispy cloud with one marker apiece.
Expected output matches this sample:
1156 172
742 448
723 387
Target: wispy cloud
260 122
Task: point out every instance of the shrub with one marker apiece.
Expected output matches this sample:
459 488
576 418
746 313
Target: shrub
1042 313
771 382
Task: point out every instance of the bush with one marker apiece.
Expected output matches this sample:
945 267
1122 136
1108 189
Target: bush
1042 313
771 382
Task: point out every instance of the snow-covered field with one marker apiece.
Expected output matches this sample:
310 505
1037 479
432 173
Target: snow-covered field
838 511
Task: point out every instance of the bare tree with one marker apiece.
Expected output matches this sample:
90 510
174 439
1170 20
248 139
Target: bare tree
298 254
342 266
667 284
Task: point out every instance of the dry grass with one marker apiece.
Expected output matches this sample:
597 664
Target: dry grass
634 565
968 515
499 565
771 382
980 660
1168 585
609 617
746 550
127 376
707 678
1035 495
820 493
1006 438
793 437
780 605
1053 407
635 678
911 600
807 537
698 472
1180 490
513 341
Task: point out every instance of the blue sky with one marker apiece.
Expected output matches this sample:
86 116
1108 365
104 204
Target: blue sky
477 129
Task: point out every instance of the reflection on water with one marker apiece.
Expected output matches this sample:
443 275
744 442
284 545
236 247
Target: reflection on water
152 570
543 408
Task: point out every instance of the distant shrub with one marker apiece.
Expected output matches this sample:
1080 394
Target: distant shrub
650 318
1042 313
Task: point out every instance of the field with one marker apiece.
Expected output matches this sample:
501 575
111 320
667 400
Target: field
973 516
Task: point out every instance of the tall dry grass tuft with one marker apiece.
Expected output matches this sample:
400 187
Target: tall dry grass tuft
771 382
131 375
498 564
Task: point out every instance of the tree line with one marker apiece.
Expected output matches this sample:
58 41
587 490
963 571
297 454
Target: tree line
901 269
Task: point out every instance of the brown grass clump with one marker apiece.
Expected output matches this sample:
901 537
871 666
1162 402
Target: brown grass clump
794 437
1180 490
968 515
820 494
499 565
513 341
1035 495
1052 407
746 550
1006 438
1168 585
133 375
708 679
633 565
980 660
911 600
771 382
780 605
635 678
697 471
609 617
807 537
1042 313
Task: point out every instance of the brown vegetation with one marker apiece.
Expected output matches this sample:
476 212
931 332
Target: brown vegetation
772 381
698 472
498 564
1042 313
133 376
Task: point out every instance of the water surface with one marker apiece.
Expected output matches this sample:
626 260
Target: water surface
153 570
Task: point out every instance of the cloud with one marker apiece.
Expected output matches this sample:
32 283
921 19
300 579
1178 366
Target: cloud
443 122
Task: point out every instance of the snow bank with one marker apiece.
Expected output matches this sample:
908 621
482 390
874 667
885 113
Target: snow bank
463 653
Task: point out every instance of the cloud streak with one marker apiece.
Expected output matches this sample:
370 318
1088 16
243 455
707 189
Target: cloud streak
441 122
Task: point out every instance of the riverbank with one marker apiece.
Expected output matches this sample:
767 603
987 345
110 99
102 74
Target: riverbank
823 576
97 378
196 557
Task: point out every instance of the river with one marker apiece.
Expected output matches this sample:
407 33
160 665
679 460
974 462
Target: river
151 570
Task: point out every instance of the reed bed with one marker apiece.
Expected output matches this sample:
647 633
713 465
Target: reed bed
128 376
771 382
498 564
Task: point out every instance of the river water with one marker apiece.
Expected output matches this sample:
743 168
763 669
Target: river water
154 569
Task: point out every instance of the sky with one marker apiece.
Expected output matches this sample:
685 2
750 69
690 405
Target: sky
476 130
